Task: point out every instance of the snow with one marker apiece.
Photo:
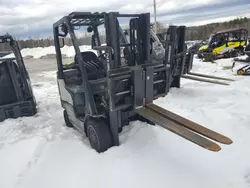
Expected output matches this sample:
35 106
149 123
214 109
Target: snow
41 151
67 51
41 52
191 43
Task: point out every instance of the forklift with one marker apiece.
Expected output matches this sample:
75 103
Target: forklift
100 93
16 95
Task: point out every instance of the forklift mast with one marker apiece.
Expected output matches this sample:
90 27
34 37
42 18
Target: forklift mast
16 97
7 38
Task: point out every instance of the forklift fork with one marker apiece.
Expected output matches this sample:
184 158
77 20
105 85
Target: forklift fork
174 67
179 125
187 74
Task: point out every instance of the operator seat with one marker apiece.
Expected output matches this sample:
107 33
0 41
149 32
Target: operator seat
87 56
93 66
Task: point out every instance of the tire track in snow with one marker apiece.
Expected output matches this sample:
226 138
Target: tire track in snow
48 136
33 161
247 178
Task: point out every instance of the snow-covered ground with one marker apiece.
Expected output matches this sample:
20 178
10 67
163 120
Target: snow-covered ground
40 152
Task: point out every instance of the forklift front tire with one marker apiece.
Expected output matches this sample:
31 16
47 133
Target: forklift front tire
98 134
66 119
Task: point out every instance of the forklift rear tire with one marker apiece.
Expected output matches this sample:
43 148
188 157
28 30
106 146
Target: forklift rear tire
98 134
66 119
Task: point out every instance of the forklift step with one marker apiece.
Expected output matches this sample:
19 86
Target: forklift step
204 80
178 129
210 76
190 125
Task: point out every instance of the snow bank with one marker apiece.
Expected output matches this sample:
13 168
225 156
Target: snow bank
67 51
49 52
190 43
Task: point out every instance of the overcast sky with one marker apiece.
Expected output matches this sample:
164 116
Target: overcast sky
34 18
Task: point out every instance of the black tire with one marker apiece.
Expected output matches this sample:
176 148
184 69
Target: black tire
98 134
66 119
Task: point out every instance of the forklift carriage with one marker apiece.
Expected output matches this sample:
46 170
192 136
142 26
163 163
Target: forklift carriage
100 94
158 45
16 95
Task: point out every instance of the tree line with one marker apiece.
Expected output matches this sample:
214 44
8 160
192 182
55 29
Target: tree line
33 43
192 33
203 32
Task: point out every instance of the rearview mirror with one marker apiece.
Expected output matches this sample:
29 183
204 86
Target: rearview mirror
63 30
61 42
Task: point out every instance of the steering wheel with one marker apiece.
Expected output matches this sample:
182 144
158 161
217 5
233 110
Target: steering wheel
102 56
